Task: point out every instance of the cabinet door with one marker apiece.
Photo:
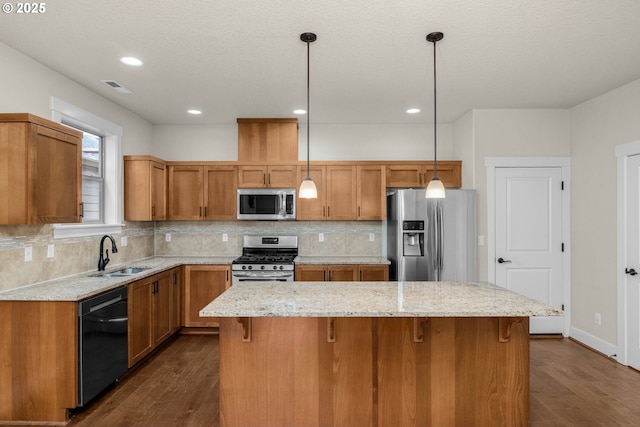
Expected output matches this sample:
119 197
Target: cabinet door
140 319
405 176
313 209
372 201
158 191
310 273
343 273
449 172
202 284
282 177
341 192
220 192
374 273
57 169
252 176
162 299
185 192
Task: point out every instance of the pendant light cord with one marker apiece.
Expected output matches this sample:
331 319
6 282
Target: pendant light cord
308 113
435 116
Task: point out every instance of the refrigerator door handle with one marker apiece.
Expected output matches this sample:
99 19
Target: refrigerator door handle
440 235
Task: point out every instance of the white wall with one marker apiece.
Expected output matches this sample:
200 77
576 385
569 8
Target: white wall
597 126
328 142
464 148
508 133
26 86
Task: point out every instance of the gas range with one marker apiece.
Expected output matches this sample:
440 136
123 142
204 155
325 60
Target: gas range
266 258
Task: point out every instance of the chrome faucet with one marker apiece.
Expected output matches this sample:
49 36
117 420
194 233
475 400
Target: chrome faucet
102 262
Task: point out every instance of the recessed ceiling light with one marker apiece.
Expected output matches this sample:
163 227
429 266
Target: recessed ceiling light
413 110
130 60
299 111
194 112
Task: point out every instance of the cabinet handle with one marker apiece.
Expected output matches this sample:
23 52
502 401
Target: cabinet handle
200 211
81 209
331 329
358 211
175 278
205 211
268 179
264 178
323 211
227 275
328 211
153 211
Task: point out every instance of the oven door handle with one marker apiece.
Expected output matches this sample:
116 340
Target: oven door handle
262 276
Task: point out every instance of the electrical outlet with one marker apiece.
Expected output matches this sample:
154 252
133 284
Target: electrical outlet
28 253
123 241
320 237
167 237
50 250
225 237
598 319
372 237
480 240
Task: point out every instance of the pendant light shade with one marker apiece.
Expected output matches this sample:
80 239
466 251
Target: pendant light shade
308 187
435 189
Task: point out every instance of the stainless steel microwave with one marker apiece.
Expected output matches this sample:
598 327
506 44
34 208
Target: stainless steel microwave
270 204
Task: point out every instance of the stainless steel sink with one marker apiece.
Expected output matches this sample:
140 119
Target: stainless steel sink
124 272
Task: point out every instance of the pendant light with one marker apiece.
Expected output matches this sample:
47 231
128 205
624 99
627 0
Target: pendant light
435 189
308 187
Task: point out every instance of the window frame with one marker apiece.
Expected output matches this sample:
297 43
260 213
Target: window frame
66 113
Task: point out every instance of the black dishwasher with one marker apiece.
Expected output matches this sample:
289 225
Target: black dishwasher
102 336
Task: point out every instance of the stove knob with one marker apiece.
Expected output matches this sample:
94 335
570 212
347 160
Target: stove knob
244 267
281 268
250 267
275 267
262 267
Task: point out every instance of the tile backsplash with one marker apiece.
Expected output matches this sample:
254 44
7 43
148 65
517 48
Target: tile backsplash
183 238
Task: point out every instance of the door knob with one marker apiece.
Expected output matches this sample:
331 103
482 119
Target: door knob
502 260
630 271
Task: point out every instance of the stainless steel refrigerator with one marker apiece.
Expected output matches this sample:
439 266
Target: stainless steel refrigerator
432 239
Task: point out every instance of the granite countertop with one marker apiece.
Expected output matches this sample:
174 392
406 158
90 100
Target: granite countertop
85 285
373 299
319 260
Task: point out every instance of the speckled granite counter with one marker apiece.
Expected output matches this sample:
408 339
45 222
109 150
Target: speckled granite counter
81 286
320 260
373 299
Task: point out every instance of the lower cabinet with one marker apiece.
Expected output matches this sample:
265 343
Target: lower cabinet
202 284
342 273
152 312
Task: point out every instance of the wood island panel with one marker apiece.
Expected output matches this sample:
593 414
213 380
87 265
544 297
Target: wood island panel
446 371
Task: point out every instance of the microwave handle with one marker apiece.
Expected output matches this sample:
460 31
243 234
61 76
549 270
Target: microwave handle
283 204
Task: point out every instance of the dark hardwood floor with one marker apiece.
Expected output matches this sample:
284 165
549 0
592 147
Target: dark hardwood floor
570 386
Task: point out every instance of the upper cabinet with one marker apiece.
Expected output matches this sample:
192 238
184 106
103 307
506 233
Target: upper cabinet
418 174
145 189
345 192
268 140
202 192
257 176
40 171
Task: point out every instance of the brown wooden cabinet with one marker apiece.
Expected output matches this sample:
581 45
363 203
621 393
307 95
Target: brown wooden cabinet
145 189
40 171
345 193
151 308
371 193
401 174
269 140
39 358
342 273
202 284
337 190
202 192
262 176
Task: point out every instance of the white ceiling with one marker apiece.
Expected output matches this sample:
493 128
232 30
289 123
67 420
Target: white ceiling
244 58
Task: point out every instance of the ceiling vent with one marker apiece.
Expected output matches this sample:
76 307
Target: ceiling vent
117 87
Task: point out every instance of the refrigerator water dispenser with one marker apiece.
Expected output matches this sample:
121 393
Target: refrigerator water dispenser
413 238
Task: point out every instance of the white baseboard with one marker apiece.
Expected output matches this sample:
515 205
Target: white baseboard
595 343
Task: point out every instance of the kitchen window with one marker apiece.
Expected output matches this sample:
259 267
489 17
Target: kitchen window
101 172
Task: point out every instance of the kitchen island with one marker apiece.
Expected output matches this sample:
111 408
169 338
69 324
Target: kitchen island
374 354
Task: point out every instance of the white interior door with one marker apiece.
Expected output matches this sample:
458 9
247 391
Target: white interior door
528 237
632 268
